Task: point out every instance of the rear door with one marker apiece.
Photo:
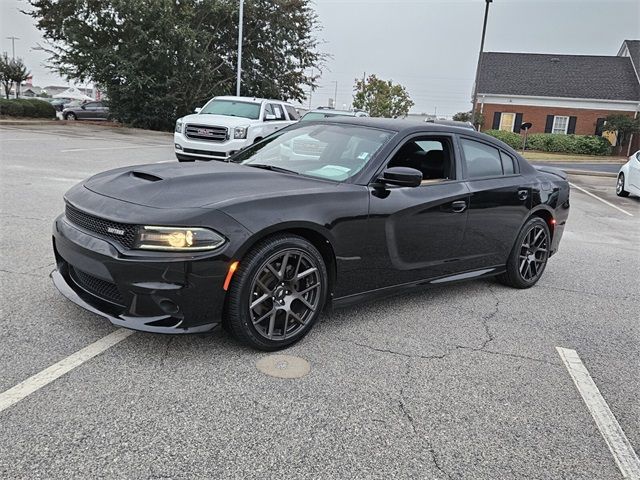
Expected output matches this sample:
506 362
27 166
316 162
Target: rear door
634 171
417 232
499 202
90 111
277 119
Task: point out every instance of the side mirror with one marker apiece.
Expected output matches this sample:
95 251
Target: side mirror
401 176
269 117
83 106
197 109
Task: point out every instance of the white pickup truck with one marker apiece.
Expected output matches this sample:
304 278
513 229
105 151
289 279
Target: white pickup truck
227 124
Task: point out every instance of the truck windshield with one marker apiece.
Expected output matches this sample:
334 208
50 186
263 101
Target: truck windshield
232 108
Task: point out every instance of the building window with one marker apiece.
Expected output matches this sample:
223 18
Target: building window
507 121
560 124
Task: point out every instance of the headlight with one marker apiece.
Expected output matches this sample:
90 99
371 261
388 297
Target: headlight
177 239
179 126
240 132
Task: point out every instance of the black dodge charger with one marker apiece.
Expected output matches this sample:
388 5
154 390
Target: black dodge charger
317 215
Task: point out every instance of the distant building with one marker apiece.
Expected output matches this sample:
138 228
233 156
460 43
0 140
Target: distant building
559 93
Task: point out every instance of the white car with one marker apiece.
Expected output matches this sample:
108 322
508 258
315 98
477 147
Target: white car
228 124
629 177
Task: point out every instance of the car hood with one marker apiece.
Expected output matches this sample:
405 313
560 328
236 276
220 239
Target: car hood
212 184
215 120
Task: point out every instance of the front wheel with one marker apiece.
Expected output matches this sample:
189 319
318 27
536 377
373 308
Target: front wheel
278 293
529 256
620 191
70 116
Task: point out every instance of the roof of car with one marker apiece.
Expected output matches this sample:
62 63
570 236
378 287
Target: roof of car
395 124
248 99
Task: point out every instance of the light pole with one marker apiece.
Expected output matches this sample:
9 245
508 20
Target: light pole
13 46
475 86
240 20
335 94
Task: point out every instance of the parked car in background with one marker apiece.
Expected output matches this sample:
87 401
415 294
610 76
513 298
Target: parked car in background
320 113
629 177
452 123
87 111
59 103
228 124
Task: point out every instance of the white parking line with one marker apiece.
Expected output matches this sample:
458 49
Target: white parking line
601 199
610 429
55 371
113 148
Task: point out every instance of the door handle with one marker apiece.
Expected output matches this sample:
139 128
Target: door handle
459 207
523 194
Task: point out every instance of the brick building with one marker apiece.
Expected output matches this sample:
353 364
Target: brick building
559 93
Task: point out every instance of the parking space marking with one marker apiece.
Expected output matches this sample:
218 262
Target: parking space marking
112 148
55 371
601 199
610 429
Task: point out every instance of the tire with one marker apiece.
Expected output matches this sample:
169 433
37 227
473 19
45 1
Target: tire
529 256
70 116
620 191
267 308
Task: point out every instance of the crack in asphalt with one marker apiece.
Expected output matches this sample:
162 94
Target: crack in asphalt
165 352
584 292
22 217
406 414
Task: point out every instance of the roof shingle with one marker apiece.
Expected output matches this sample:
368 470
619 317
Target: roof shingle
550 75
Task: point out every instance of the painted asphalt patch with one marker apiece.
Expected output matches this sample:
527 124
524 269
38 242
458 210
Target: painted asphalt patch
614 436
283 366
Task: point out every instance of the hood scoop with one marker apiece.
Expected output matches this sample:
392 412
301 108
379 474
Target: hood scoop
150 177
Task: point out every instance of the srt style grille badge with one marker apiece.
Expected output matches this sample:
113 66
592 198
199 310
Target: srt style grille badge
115 231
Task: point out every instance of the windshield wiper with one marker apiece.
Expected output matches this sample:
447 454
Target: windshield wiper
273 168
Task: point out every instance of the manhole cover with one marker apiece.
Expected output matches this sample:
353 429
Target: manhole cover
283 366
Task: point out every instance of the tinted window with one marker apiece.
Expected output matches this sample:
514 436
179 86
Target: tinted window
481 160
293 114
507 164
277 111
91 106
431 156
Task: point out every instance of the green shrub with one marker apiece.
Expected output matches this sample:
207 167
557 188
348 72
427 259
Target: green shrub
27 107
556 142
512 139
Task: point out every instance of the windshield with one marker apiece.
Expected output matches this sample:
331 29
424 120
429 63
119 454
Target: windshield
232 108
321 115
332 152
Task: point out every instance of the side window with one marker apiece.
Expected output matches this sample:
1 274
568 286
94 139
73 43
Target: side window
277 111
91 106
431 155
481 160
293 114
508 166
268 110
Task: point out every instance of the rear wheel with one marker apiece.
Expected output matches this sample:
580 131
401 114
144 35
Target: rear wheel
620 191
278 293
529 255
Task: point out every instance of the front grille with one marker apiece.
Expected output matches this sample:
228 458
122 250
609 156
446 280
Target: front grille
96 286
205 152
125 234
206 132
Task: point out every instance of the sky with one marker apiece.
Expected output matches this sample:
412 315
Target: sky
429 46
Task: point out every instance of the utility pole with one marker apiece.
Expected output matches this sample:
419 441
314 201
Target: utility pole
310 90
475 86
240 20
335 95
13 46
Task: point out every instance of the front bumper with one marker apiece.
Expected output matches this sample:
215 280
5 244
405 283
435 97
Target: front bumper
152 293
187 148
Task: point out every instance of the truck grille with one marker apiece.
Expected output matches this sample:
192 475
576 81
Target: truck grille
96 286
206 132
123 233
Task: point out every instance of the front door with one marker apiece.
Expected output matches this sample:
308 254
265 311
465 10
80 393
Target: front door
417 232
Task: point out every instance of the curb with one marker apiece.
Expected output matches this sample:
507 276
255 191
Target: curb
590 173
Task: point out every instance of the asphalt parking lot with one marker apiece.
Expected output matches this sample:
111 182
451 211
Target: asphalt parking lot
446 383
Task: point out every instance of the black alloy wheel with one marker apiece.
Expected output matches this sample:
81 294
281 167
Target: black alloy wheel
529 256
620 191
278 293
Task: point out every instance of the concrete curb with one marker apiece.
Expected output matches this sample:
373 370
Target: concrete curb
590 173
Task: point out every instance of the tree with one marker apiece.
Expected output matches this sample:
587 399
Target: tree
18 73
381 98
466 117
158 59
623 125
5 74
